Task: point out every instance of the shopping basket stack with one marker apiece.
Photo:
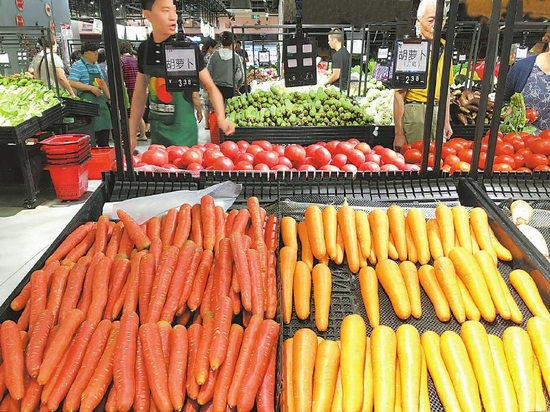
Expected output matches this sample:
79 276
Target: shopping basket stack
67 157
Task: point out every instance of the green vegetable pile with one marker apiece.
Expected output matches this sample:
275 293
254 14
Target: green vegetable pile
22 97
279 107
513 115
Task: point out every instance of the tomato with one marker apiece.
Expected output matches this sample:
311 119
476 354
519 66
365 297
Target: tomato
295 153
343 148
269 157
373 157
311 149
364 147
447 151
531 115
413 156
529 140
388 167
524 152
279 149
339 160
356 157
243 165
349 168
332 146
388 156
283 160
400 161
517 142
502 167
542 168
505 159
519 160
523 169
243 145
155 146
460 167
210 156
280 167
369 167
466 155
504 148
262 167
353 140
536 159
451 160
195 166
405 147
246 157
155 157
229 149
264 144
482 160
254 149
455 144
322 155
541 146
431 160
306 168
330 168
223 163
446 168
544 133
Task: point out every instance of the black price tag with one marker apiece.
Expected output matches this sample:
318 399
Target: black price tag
181 65
410 65
299 54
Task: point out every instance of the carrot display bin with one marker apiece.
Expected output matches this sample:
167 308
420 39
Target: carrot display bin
103 159
70 181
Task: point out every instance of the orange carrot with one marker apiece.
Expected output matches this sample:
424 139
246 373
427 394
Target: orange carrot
480 225
287 392
447 280
194 334
340 246
271 292
315 231
257 220
153 227
121 269
461 223
410 277
396 219
74 285
100 244
168 230
390 278
219 225
138 237
527 289
380 227
302 290
287 261
31 399
80 250
38 300
183 225
200 280
265 399
241 266
289 233
445 224
271 237
125 360
384 355
207 209
146 276
368 283
353 336
330 225
322 289
14 364
100 290
537 329
177 366
409 355
419 232
142 397
502 374
412 254
126 244
304 352
227 368
222 328
491 276
434 239
470 308
70 242
257 291
363 232
162 283
502 252
306 255
428 281
37 342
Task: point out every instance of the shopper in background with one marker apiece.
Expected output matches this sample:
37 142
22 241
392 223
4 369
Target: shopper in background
75 56
129 65
44 70
208 47
171 116
102 63
340 61
226 68
409 105
241 52
531 78
85 77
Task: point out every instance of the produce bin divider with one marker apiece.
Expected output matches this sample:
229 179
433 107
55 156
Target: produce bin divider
505 185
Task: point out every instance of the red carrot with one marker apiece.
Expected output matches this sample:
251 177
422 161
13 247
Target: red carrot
271 235
61 341
86 295
177 283
178 365
206 302
135 232
31 399
183 228
238 250
89 364
57 289
126 243
74 285
235 302
14 364
100 290
165 329
132 292
199 282
156 250
208 221
271 286
70 242
39 293
80 250
155 366
206 392
73 361
102 227
223 270
241 222
37 342
228 368
24 317
257 291
110 403
229 221
194 336
201 362
162 283
125 360
219 225
114 241
153 227
265 399
121 269
257 224
196 226
146 279
250 340
222 327
169 228
102 376
142 397
191 406
189 280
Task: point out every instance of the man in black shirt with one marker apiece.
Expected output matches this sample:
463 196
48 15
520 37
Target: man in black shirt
340 61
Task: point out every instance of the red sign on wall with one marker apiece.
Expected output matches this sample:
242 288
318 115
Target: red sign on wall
19 20
20 4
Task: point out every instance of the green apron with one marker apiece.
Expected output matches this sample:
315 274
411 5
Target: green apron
103 121
171 116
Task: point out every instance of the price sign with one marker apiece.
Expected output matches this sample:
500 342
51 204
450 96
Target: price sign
263 57
181 64
383 53
299 54
521 53
462 58
410 64
5 60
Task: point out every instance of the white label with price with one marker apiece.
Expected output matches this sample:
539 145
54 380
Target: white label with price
383 53
180 61
521 53
412 57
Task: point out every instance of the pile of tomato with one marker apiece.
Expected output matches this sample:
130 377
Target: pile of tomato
520 152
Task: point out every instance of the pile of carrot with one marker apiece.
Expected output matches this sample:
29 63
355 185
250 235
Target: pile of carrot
388 370
144 317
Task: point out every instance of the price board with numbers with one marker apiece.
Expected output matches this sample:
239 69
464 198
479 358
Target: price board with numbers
181 64
410 64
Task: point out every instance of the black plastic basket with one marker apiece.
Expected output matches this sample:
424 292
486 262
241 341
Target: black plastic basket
18 134
51 116
72 107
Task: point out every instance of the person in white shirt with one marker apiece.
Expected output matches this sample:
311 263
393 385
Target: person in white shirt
44 70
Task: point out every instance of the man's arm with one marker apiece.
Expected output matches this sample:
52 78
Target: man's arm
448 130
60 73
216 99
85 87
335 75
138 107
198 106
398 112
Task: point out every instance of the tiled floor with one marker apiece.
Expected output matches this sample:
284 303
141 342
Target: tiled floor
26 233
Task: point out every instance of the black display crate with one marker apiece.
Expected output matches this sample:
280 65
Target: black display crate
21 132
51 116
72 107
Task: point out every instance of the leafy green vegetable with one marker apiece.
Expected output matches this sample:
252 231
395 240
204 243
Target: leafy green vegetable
513 115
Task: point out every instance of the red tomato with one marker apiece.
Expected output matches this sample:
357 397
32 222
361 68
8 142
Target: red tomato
542 168
295 153
280 167
418 145
262 167
306 168
502 167
269 157
451 160
210 156
343 148
388 167
229 149
531 115
466 155
311 161
524 152
405 147
545 133
155 157
517 142
223 163
243 145
175 152
400 161
541 146
191 156
369 167
349 168
482 160
339 160
279 149
264 144
247 157
535 159
431 160
388 156
455 144
504 148
332 146
519 160
283 160
330 168
243 165
447 151
413 156
523 169
505 159
195 166
510 136
354 140
322 155
373 157
460 167
155 146
446 168
364 147
356 157
254 149
378 149
311 149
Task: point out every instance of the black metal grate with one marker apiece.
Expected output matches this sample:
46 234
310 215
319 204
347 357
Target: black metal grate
517 185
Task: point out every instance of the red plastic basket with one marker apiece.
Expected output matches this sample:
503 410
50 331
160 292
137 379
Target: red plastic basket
103 159
65 143
70 181
214 128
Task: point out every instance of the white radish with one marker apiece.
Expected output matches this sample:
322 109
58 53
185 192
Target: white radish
535 237
521 212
